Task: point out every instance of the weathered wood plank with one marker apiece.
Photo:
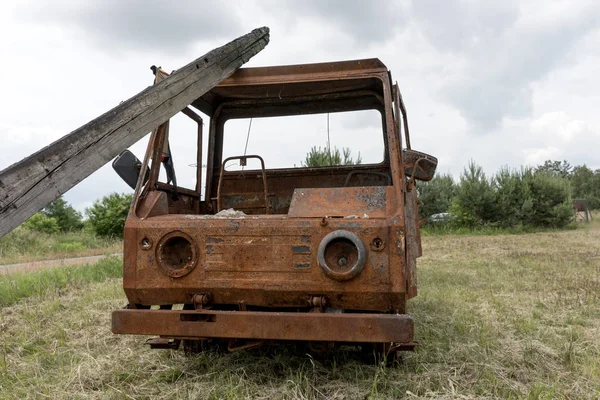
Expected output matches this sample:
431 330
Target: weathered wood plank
28 185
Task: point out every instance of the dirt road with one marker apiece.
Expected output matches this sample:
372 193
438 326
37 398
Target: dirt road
34 265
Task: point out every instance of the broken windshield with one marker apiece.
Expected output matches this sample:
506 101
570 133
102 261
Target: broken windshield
327 139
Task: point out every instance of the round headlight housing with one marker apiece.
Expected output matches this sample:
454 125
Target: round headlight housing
176 254
341 255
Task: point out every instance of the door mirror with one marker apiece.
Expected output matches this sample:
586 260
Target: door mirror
419 165
128 167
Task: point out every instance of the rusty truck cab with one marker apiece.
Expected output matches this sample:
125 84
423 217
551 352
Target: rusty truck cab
321 254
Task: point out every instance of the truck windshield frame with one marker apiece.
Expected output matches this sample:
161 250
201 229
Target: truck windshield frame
285 141
300 105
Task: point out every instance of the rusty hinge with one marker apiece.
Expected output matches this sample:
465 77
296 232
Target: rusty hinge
201 301
318 303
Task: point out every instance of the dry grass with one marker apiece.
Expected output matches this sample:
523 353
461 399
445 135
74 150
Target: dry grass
507 316
23 245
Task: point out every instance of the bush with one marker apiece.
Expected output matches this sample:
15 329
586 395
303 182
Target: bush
513 197
42 223
586 185
318 157
107 216
551 204
66 216
435 196
475 200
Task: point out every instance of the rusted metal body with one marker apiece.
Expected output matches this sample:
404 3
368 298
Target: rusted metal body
322 254
266 325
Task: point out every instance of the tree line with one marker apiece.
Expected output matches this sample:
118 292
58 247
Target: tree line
541 196
106 217
532 197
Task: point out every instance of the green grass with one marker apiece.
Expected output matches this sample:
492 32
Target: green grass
18 286
23 245
449 229
443 229
505 316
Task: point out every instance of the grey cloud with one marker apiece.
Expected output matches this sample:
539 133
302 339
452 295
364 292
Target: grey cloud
486 101
455 25
498 55
142 25
364 22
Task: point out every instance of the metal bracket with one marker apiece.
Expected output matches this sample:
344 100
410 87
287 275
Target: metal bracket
318 303
411 181
201 301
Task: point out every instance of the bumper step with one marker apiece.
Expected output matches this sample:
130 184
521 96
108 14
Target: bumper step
369 328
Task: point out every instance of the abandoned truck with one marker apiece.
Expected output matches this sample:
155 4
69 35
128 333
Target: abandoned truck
256 252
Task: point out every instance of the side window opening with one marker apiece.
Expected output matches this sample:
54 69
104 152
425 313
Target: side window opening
181 172
181 152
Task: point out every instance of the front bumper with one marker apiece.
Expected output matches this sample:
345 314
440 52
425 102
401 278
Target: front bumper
184 324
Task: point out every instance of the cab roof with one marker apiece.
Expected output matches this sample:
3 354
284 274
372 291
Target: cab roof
289 81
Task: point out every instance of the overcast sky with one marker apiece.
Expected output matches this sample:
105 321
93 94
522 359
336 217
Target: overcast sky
501 82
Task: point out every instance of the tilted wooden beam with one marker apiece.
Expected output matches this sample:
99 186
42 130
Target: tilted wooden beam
28 185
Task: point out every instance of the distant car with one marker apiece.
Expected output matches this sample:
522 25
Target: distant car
439 218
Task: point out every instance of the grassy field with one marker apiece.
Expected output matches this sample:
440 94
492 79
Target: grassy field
23 245
504 316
